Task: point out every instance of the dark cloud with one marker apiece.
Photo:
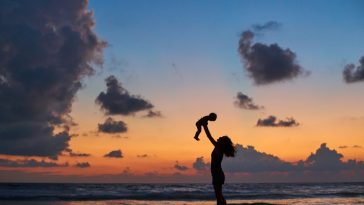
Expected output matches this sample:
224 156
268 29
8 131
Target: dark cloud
245 102
352 74
325 159
112 126
248 159
267 64
343 147
29 163
180 167
357 146
272 121
46 48
153 114
75 154
117 100
114 154
200 164
82 165
270 25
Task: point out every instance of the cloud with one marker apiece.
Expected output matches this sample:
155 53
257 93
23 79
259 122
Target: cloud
249 165
47 48
176 70
75 154
29 163
248 159
245 102
142 156
200 164
117 100
270 25
114 154
354 146
112 126
267 64
82 165
272 121
180 167
325 159
125 176
352 74
153 114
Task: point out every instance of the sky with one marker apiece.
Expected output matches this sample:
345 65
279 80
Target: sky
95 91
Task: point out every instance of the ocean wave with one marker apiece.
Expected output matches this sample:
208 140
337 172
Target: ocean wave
186 192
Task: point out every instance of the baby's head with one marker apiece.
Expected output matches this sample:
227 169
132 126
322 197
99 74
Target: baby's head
212 116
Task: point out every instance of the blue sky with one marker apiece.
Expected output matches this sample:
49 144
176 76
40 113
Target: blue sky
150 36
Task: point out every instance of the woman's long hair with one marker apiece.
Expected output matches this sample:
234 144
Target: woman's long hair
227 146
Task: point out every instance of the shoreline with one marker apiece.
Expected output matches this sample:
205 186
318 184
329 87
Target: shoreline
297 201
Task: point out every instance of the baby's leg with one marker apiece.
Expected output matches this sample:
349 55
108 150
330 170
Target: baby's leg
197 132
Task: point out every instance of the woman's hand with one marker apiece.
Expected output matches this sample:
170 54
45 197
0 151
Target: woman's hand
208 134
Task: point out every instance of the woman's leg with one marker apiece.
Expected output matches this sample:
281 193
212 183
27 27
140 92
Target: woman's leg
218 194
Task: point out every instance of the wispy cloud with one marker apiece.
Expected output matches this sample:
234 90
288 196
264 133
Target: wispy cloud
29 163
270 25
153 114
180 167
142 156
71 153
245 102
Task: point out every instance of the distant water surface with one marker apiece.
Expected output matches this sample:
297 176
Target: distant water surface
179 194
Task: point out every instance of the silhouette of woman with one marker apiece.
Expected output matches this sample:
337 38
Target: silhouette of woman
223 145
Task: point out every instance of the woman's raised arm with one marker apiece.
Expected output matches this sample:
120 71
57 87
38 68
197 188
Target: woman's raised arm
212 140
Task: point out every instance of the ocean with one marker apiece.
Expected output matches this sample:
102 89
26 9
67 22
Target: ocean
180 194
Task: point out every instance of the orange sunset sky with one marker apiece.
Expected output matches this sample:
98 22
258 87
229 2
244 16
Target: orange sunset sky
186 59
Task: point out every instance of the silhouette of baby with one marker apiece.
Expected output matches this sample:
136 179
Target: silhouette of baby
204 120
